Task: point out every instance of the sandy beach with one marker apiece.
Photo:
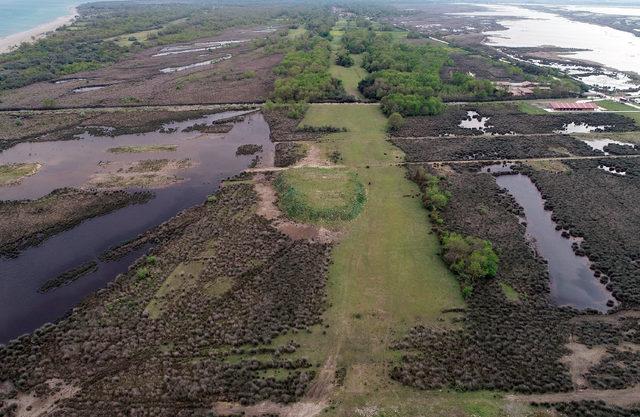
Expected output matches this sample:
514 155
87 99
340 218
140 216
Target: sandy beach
37 32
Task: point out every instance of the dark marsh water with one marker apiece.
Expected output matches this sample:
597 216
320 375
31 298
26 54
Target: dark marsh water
72 163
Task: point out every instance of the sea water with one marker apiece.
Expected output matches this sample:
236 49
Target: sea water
21 15
530 28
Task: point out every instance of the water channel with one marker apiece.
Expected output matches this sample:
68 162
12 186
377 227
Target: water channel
572 282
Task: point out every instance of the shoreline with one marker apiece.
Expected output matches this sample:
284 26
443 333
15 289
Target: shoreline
8 43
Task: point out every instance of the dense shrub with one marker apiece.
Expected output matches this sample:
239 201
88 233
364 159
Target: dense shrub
470 257
412 105
344 59
304 73
395 122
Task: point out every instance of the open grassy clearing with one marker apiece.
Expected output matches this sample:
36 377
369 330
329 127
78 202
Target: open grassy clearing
294 33
549 165
612 105
509 292
142 36
386 277
319 194
350 76
635 115
529 108
13 173
182 276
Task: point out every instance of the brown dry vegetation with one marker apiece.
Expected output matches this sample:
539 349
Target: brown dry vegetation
52 126
138 80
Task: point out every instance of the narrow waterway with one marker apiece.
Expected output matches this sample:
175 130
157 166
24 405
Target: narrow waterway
71 163
573 283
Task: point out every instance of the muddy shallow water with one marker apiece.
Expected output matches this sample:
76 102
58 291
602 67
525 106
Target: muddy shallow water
573 283
72 163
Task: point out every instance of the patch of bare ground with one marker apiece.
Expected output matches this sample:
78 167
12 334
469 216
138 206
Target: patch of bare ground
620 397
35 404
268 208
580 360
148 173
314 158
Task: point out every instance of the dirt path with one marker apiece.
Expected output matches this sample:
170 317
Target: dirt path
314 159
267 208
31 406
622 398
581 359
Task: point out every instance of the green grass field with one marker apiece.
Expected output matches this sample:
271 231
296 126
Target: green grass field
386 277
615 105
320 195
350 76
294 33
529 108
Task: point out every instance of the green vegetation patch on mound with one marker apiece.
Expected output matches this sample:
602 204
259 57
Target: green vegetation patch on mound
312 194
13 173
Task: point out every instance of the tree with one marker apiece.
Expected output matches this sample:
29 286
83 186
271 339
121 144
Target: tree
344 59
395 122
470 257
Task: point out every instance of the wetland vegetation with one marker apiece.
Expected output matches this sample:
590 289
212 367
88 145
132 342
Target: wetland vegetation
340 239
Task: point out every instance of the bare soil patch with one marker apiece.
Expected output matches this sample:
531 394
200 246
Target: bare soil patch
268 208
580 360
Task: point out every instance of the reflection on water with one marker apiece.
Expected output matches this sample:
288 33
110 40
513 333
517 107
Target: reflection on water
572 282
195 65
612 170
70 163
600 144
89 88
580 128
197 47
474 121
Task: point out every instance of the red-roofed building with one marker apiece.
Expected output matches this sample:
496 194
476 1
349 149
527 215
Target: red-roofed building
561 106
